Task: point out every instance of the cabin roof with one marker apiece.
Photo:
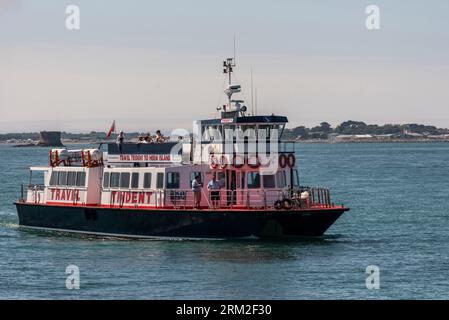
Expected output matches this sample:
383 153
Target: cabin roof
248 119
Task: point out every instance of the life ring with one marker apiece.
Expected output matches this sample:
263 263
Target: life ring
223 162
238 165
287 204
254 165
282 161
278 205
291 160
213 163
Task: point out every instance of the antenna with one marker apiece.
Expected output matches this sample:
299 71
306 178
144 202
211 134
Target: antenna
252 92
256 101
234 48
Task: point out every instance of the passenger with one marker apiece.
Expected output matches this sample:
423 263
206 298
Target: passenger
121 137
197 186
141 139
148 138
214 189
159 137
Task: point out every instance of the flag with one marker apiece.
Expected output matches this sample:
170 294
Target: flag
112 129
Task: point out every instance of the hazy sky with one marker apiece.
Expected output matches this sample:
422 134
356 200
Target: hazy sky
157 64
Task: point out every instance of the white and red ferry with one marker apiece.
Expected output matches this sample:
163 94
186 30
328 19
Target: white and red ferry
144 190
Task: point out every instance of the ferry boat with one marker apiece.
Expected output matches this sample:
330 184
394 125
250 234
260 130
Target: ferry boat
147 190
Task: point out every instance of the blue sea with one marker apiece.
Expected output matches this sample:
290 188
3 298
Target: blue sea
399 221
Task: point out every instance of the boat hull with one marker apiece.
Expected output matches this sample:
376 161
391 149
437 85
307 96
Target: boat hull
165 223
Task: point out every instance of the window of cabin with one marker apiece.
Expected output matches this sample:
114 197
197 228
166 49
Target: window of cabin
71 178
80 179
160 180
284 177
280 179
269 181
135 180
124 180
54 178
115 179
62 179
173 180
253 180
106 180
193 174
295 178
147 180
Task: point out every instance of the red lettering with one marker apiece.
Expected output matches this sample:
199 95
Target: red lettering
149 197
134 197
141 197
58 194
127 197
52 194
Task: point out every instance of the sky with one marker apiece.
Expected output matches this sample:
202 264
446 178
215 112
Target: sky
157 64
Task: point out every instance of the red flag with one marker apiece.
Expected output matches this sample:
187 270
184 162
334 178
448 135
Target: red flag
112 129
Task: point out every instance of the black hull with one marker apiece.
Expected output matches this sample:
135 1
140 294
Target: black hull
137 223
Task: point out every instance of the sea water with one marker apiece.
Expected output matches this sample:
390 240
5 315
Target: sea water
399 222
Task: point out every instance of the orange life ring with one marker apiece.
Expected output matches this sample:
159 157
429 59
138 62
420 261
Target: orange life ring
234 161
213 163
282 161
254 165
223 162
291 160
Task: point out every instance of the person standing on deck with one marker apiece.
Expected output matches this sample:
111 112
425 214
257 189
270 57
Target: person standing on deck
214 190
197 185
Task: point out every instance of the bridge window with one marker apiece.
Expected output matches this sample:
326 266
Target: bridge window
295 178
71 178
80 179
106 180
115 179
160 180
135 180
147 180
280 179
62 179
253 180
173 180
54 178
124 180
269 181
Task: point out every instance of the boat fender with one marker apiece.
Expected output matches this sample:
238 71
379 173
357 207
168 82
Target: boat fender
213 162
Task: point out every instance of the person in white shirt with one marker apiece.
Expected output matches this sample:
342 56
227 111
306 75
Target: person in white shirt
214 189
197 185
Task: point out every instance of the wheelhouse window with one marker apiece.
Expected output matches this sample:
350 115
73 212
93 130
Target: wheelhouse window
269 181
135 180
253 180
173 180
160 180
106 180
115 179
295 178
147 180
124 180
280 179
